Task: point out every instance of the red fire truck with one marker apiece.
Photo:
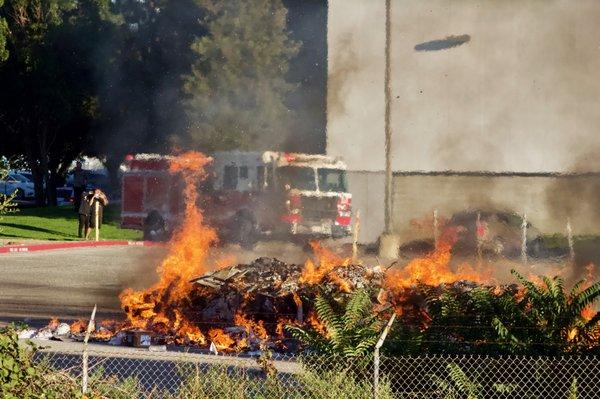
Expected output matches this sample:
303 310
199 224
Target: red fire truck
247 196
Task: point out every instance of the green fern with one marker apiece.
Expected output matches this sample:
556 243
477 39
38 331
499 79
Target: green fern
460 385
464 385
351 332
551 317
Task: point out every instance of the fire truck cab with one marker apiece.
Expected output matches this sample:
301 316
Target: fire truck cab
248 195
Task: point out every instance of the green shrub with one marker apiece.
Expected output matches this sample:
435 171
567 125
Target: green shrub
23 378
352 331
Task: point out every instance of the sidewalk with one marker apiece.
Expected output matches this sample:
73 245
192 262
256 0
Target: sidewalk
11 246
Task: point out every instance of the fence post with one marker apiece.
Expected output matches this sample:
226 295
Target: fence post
571 243
436 233
376 356
84 371
524 239
355 232
97 229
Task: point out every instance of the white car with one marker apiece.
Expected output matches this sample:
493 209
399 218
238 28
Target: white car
18 184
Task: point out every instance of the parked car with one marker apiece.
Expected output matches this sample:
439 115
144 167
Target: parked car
65 196
18 184
25 173
499 232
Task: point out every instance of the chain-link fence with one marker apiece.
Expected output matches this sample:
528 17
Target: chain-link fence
187 375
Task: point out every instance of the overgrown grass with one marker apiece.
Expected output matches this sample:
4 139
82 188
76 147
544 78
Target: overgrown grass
60 223
22 377
219 382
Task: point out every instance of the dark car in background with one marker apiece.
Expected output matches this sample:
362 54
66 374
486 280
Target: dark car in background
94 180
498 232
65 196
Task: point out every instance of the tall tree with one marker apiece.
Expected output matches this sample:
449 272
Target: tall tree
139 81
3 33
48 99
237 86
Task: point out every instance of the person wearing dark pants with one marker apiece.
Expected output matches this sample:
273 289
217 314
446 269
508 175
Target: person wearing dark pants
85 211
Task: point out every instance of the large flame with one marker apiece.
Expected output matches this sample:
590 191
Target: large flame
433 269
159 307
314 273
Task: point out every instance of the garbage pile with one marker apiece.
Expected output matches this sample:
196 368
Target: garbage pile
272 277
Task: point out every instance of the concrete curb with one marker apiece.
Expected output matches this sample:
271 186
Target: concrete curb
75 244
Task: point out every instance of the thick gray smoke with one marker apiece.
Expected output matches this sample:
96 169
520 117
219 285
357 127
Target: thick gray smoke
140 78
520 96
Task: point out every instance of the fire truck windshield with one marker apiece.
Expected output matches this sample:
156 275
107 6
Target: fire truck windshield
332 180
296 177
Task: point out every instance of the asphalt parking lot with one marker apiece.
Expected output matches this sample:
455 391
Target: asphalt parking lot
66 283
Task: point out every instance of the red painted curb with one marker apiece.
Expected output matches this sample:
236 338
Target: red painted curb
75 244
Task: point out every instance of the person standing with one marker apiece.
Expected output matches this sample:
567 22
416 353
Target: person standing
85 211
101 200
79 184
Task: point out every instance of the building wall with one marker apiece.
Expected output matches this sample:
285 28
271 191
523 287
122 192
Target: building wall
520 96
548 201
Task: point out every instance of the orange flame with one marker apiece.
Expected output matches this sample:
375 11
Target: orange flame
327 261
53 324
79 326
588 313
252 328
316 324
156 308
281 324
220 338
432 269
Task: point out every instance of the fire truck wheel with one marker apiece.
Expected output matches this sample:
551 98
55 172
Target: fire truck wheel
246 234
154 227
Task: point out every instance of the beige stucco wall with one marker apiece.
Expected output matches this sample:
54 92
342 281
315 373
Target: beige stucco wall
547 201
521 96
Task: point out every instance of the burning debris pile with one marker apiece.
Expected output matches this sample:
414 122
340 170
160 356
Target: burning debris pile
246 307
272 292
274 278
232 308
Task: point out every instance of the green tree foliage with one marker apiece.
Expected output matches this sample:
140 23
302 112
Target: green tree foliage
352 331
3 33
110 77
237 85
140 77
49 99
6 201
